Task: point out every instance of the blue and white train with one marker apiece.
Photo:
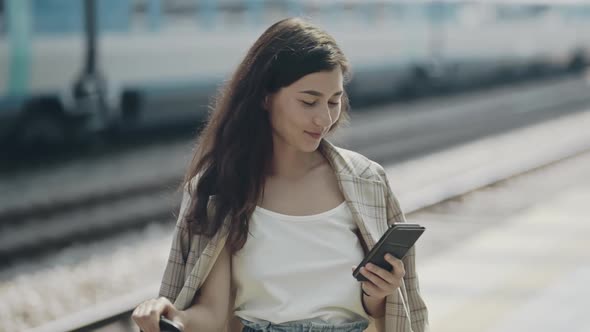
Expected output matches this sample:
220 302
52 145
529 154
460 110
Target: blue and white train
156 63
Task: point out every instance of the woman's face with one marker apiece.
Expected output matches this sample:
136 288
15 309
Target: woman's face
309 105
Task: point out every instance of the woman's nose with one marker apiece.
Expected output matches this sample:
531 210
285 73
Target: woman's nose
324 117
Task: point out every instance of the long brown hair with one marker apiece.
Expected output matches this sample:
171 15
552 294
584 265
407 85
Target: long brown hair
233 151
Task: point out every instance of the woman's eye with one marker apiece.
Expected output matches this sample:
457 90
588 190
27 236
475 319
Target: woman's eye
313 103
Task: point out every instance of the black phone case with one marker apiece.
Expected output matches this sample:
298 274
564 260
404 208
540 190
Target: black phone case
397 240
167 325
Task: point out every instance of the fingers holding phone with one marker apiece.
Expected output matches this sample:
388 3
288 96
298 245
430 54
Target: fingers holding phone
150 314
395 243
381 282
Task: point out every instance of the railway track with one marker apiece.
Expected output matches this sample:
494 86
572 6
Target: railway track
33 229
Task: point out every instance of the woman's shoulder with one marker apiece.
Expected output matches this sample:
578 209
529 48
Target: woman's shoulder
360 164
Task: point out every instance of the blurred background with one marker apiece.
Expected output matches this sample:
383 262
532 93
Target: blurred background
100 102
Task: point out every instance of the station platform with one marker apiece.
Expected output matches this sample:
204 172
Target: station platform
528 271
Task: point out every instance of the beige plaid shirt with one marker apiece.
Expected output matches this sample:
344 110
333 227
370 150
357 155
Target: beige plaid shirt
374 207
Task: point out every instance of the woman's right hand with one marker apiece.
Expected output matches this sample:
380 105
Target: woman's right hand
147 314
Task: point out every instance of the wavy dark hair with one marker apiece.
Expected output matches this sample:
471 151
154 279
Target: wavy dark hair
233 151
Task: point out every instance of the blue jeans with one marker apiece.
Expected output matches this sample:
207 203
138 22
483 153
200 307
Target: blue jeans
303 326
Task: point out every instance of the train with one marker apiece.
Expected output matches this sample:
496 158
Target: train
74 70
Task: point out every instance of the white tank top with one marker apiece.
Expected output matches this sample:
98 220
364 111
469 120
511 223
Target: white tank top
299 268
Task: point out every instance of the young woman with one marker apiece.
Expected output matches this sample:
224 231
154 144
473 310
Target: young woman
274 216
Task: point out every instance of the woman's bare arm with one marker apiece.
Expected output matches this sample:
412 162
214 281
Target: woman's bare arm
209 310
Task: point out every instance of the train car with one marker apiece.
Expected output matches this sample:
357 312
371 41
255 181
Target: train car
156 63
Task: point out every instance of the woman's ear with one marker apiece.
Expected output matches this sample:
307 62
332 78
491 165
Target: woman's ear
266 102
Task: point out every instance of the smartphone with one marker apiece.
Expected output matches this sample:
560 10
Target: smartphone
167 325
397 240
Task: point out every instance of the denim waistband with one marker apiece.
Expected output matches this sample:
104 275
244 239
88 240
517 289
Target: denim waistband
304 326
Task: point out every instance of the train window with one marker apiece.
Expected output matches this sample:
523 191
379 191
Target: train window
58 17
520 12
576 12
2 19
439 12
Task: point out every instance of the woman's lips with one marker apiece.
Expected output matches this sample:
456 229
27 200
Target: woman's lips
316 136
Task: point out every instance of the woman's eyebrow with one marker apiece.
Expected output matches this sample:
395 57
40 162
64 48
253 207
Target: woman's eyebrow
319 94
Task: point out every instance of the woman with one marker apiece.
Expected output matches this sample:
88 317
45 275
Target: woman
274 216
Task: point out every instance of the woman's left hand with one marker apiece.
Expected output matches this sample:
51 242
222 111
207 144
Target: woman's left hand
381 282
